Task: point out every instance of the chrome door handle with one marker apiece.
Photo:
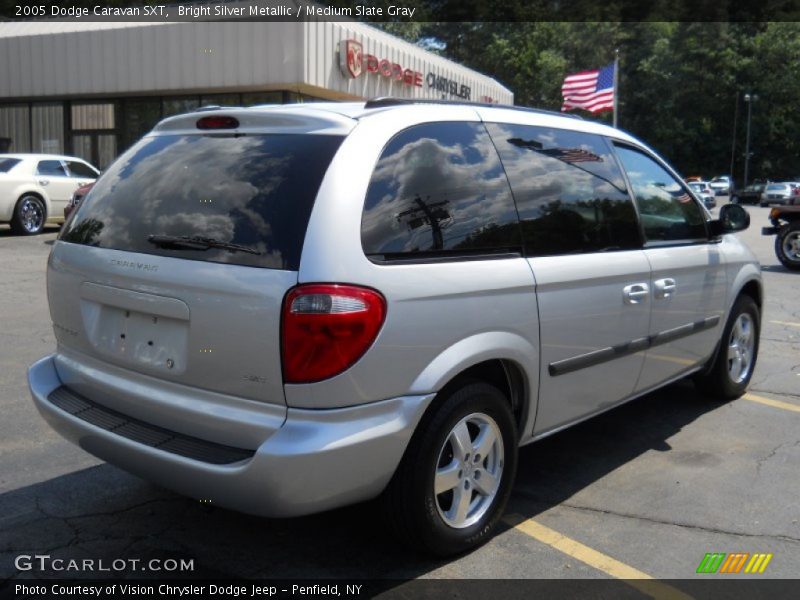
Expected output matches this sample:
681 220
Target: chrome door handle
44 181
635 293
664 288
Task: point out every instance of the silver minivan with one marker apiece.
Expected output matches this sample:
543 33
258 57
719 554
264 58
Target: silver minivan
287 309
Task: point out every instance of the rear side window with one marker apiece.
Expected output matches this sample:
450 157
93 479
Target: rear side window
6 164
439 189
52 168
667 211
255 191
569 190
81 170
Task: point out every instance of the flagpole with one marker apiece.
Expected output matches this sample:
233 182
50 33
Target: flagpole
616 85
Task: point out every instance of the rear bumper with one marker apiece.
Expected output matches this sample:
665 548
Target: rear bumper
770 230
316 460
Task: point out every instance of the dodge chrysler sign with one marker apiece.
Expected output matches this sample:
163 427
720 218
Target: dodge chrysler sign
350 57
449 86
353 62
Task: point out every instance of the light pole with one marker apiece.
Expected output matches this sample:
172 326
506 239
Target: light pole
749 98
733 142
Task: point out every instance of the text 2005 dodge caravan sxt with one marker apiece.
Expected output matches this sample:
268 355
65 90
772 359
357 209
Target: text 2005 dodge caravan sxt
287 309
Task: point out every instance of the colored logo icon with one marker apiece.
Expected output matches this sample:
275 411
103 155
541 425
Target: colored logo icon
736 562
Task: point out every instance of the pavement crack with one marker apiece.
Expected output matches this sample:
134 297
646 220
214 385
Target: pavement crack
760 462
537 500
785 538
110 513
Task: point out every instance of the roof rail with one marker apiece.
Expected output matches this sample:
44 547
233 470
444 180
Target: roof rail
388 101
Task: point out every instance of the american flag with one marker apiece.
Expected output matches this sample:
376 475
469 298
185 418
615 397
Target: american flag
589 90
572 155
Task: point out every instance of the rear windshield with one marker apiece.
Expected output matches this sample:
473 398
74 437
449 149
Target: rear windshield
255 191
6 164
777 187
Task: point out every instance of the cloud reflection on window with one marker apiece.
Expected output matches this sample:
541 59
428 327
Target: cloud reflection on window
439 187
255 191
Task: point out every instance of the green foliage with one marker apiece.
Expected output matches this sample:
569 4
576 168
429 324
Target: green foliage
679 81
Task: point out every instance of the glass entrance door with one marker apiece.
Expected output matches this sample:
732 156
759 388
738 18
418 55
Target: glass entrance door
97 148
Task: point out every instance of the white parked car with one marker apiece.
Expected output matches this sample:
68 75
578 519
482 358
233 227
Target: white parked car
35 188
722 185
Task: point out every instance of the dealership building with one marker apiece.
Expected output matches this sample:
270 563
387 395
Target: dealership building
92 89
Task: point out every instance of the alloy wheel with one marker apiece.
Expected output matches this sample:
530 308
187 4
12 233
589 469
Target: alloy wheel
469 470
740 348
32 214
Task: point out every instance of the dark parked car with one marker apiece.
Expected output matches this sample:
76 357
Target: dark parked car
749 195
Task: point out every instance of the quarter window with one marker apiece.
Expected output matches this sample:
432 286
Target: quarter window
81 170
569 190
439 188
51 168
667 210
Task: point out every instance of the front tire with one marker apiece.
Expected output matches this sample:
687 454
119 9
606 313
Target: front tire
30 215
733 366
787 246
454 481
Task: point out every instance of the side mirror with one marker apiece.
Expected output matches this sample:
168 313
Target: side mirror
732 218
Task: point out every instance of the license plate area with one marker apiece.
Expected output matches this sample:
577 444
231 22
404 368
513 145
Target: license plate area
155 338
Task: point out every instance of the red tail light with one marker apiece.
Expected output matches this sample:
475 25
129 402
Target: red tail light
217 122
326 328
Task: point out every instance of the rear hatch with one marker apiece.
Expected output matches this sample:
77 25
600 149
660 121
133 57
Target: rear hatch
176 265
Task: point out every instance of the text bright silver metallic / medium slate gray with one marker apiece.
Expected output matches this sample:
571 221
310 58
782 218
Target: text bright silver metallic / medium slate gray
287 309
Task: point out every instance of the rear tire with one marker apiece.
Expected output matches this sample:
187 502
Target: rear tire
29 216
733 366
787 246
467 449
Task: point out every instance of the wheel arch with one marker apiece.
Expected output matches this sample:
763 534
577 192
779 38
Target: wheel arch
754 289
748 283
20 193
502 359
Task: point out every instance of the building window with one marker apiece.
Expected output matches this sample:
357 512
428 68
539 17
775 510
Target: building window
138 118
15 131
177 106
221 100
255 98
93 116
47 126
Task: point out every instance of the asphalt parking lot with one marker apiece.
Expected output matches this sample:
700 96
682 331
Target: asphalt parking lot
644 490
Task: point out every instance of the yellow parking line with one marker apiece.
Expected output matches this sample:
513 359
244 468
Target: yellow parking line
602 562
789 323
771 402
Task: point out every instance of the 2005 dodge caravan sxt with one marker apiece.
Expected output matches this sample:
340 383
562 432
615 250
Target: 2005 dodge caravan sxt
287 309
